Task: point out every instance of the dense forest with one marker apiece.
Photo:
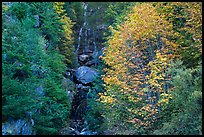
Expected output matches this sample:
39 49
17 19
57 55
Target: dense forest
101 68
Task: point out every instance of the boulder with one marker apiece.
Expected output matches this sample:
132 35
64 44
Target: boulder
85 74
18 64
17 127
83 58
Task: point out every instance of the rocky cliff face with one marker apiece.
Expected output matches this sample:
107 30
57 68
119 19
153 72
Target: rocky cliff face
18 127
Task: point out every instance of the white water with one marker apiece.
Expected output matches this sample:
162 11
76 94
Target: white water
81 34
81 30
78 125
79 38
85 26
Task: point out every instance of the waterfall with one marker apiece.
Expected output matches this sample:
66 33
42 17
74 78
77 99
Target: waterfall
85 41
87 44
80 35
85 25
79 38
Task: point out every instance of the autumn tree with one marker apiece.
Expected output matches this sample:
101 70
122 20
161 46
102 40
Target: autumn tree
138 54
186 18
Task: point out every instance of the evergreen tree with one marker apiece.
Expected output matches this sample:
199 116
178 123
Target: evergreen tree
31 74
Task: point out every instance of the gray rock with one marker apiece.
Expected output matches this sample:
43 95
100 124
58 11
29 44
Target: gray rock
18 64
86 74
83 58
67 84
103 49
37 25
17 127
79 86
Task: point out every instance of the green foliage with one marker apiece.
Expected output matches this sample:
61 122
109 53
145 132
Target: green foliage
95 108
93 114
183 116
66 39
75 11
19 9
46 130
48 18
139 92
16 98
27 65
117 11
52 116
96 14
59 36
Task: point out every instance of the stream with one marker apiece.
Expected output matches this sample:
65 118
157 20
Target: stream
82 77
86 59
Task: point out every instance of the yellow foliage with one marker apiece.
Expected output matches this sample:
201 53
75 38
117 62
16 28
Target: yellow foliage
68 24
191 12
67 39
128 56
106 99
